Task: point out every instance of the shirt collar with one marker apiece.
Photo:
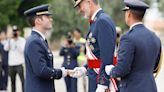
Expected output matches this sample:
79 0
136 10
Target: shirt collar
94 14
42 35
135 25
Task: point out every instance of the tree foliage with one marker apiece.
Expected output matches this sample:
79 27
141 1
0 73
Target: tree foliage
66 17
8 9
161 6
11 11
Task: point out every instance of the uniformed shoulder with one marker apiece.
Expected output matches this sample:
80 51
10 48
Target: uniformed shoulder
104 18
157 39
34 39
127 36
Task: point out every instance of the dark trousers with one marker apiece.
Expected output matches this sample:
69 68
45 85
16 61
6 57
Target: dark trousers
4 78
92 85
71 84
13 71
1 83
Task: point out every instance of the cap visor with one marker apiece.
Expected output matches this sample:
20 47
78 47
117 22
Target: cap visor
125 9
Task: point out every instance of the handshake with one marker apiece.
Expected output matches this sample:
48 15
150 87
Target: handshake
77 72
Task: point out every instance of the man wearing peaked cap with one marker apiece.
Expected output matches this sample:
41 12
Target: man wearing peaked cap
99 54
135 5
39 10
40 73
77 2
139 51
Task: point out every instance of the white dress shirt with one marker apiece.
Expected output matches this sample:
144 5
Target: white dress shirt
40 33
16 51
135 25
94 14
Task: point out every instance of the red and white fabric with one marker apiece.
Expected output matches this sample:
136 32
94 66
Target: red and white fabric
94 63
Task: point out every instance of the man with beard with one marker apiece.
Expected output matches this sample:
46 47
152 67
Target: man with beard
100 45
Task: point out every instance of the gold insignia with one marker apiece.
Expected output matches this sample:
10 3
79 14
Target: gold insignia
43 12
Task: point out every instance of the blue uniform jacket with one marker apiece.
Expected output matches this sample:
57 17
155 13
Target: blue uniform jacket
138 53
1 58
70 57
40 73
101 39
4 56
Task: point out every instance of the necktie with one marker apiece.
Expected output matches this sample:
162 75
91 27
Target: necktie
46 41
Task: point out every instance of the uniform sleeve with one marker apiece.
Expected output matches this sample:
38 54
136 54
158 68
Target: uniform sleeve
106 42
125 58
158 60
37 58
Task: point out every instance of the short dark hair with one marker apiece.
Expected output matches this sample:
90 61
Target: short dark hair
138 14
77 30
31 20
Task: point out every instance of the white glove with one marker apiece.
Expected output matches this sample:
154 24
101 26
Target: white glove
101 88
64 72
78 72
108 69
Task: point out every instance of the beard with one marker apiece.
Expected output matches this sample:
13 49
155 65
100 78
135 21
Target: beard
86 11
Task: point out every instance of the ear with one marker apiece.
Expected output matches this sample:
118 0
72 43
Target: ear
38 21
129 13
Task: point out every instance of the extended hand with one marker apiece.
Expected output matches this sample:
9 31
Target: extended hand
108 69
78 72
101 88
64 72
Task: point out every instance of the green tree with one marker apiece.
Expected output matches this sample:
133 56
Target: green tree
7 9
161 6
66 18
114 9
11 11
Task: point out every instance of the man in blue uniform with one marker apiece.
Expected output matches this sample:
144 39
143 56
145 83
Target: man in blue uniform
70 53
100 45
138 53
40 73
1 69
4 78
